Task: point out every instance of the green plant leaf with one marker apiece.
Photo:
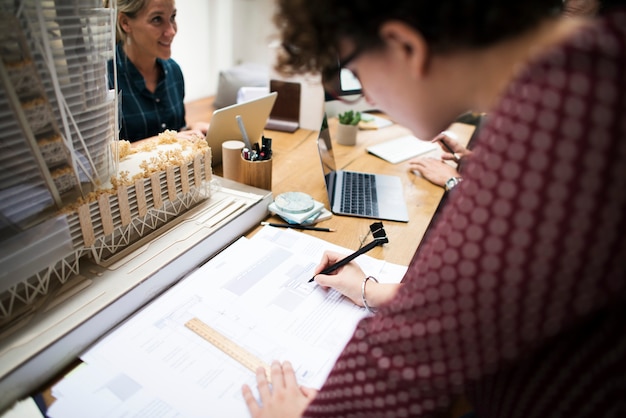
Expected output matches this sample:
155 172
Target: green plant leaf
349 117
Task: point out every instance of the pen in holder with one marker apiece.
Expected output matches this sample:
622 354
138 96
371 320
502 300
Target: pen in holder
257 173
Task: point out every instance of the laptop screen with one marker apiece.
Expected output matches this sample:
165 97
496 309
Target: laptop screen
287 106
325 147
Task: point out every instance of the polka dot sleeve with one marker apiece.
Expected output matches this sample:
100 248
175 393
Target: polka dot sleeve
517 298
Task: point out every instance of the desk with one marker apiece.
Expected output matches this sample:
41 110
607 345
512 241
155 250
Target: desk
297 154
296 167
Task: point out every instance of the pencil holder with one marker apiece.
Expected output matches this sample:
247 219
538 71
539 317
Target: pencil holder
256 173
231 159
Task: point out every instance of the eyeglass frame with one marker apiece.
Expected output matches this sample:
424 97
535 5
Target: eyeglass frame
333 75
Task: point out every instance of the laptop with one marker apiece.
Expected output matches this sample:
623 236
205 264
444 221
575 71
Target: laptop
285 115
224 127
359 194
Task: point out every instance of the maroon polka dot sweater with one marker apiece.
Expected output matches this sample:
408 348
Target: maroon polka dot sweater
517 298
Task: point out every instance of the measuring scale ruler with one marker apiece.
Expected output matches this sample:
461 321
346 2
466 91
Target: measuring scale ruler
229 347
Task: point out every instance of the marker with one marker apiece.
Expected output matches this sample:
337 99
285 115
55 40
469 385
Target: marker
266 148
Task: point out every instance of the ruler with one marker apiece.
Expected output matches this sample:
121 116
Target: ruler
228 346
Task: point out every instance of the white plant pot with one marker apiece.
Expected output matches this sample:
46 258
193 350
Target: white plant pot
346 134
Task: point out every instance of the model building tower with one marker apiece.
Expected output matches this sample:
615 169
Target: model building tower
56 112
65 194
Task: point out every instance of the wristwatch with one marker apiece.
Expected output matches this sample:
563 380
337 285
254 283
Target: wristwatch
451 182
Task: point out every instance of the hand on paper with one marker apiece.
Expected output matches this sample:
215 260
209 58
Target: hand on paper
284 398
348 279
433 170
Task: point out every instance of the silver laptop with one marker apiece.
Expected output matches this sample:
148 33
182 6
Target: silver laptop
354 193
224 127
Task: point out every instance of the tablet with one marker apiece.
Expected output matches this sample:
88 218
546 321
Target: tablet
224 126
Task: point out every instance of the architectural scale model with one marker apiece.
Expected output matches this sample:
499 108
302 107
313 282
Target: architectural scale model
59 153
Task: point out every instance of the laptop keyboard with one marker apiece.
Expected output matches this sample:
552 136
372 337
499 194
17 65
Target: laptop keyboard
359 194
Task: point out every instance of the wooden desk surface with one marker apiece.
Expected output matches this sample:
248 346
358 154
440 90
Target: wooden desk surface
297 167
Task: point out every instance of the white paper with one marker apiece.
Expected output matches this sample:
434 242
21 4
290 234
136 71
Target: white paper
256 292
26 408
402 149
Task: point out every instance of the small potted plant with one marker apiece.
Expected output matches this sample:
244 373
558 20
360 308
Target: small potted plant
348 127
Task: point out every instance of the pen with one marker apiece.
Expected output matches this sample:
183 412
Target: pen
346 260
296 226
439 138
244 134
266 148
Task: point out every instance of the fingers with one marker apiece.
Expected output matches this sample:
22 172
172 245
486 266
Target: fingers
262 384
328 258
310 393
265 391
289 375
449 134
425 162
251 402
278 379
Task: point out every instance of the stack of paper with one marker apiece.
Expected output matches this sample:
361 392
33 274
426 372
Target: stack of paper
256 293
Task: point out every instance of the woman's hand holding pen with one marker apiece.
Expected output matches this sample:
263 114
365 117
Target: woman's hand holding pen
452 149
348 279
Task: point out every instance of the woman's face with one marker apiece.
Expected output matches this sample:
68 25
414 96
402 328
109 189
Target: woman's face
393 83
152 31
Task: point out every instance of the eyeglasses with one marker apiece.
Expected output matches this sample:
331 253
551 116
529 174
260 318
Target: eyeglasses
342 84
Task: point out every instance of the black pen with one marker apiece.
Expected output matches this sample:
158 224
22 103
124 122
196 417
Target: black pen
297 226
351 257
456 157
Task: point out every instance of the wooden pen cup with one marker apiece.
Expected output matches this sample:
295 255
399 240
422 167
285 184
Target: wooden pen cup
256 173
231 159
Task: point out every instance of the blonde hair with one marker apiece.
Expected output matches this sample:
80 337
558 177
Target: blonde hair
130 8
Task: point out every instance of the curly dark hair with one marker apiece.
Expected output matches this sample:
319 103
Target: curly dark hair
311 29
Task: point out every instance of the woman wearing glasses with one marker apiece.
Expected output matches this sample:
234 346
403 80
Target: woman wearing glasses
517 296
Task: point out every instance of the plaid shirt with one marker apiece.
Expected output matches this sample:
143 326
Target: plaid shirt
143 113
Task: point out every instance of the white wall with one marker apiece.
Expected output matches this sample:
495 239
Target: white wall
214 35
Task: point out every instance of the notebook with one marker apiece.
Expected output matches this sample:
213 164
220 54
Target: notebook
401 149
224 126
285 115
377 196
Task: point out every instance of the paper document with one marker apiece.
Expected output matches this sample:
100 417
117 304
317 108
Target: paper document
369 122
256 293
402 149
